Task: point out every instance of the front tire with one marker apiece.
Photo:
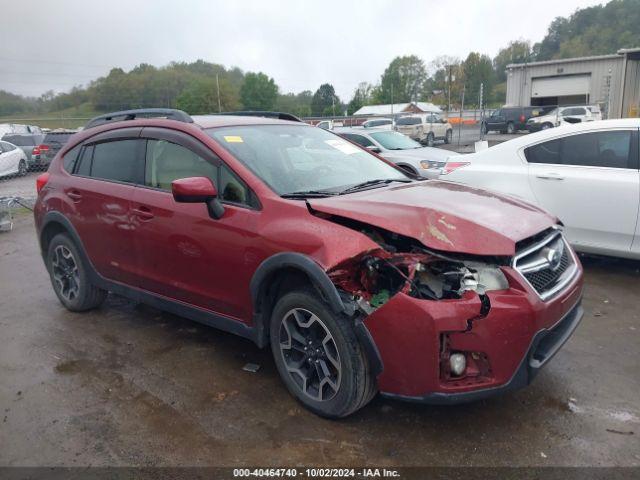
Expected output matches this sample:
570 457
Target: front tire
546 126
318 356
430 139
510 128
69 276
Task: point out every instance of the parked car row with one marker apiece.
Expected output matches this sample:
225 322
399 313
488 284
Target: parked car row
513 119
31 151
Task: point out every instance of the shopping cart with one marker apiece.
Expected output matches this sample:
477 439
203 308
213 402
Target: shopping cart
6 217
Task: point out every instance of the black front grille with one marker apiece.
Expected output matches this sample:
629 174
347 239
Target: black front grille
539 264
546 279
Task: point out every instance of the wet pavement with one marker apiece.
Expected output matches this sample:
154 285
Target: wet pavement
130 385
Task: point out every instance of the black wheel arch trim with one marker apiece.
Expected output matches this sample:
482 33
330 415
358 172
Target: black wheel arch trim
338 301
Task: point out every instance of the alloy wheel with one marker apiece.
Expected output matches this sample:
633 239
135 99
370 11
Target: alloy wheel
65 272
310 354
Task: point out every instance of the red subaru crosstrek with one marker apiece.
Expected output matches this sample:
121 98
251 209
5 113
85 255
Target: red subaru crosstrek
360 277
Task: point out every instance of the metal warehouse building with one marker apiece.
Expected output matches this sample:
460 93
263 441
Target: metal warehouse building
611 81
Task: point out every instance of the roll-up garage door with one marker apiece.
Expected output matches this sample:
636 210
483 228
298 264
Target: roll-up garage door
561 86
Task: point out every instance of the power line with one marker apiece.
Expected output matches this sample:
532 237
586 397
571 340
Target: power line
83 65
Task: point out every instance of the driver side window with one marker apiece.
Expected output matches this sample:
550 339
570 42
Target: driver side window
166 162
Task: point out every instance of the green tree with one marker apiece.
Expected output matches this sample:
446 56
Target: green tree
325 101
402 81
596 30
361 97
258 92
201 97
518 51
297 104
437 85
478 70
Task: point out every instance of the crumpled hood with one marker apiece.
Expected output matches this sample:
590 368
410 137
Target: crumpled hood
443 216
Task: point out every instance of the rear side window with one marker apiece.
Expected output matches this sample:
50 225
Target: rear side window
70 157
119 161
83 165
547 152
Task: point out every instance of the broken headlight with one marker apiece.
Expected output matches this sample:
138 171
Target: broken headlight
444 279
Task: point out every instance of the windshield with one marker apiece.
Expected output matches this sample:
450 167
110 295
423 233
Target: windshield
298 158
394 141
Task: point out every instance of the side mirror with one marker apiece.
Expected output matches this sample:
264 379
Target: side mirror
198 190
373 148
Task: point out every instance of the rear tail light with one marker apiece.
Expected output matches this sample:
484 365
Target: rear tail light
43 148
36 151
521 118
41 181
451 166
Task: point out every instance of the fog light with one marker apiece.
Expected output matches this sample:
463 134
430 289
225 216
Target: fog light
457 363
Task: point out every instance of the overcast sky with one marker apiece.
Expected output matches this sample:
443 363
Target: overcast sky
56 44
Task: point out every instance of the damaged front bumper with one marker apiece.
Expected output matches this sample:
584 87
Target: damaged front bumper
505 348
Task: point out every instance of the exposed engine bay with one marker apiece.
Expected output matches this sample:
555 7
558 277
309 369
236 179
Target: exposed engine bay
405 265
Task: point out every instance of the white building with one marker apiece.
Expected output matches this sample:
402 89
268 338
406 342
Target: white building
611 81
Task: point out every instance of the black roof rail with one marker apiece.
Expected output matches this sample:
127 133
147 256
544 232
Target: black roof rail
169 113
267 114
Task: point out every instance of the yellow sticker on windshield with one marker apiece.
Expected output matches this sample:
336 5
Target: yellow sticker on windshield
233 139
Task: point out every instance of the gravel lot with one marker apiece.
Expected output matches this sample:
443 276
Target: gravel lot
129 385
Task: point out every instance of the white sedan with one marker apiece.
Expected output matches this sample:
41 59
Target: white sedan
586 174
12 160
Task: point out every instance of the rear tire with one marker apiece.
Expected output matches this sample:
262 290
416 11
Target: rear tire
22 168
546 126
318 355
69 276
448 136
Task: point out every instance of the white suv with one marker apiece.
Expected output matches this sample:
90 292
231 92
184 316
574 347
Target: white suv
425 128
562 115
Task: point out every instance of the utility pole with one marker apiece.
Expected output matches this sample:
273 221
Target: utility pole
218 86
449 88
333 104
392 99
481 107
464 87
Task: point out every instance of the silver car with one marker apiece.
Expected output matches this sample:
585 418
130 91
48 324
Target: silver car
400 149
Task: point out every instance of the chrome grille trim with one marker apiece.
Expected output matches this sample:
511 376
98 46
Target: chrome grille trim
567 264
